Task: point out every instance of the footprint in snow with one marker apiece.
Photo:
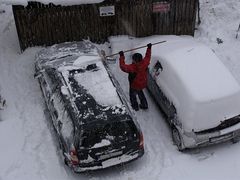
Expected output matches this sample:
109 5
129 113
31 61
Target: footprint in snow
205 156
201 156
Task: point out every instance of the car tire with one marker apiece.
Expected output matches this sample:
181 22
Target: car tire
177 139
235 140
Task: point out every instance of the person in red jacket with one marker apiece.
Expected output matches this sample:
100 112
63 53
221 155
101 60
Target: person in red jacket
137 76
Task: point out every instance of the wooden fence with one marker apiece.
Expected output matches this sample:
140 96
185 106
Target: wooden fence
39 24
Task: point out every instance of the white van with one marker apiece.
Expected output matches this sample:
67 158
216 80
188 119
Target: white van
196 92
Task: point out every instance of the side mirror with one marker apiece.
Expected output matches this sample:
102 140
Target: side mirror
38 74
157 69
158 66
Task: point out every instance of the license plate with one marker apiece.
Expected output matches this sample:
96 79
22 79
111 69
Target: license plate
106 156
220 138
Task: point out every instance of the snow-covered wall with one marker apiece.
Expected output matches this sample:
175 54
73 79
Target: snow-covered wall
56 2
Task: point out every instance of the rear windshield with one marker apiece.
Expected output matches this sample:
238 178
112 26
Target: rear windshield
109 133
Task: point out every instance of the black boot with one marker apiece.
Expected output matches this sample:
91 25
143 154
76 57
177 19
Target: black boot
133 99
143 100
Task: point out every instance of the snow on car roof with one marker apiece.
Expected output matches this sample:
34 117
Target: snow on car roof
56 2
67 49
96 81
78 55
198 68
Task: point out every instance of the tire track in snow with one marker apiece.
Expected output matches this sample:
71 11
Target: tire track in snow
154 130
12 169
157 137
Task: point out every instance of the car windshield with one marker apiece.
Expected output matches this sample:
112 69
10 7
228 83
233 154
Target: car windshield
108 134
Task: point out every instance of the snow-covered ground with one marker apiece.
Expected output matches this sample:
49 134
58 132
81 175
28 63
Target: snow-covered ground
28 148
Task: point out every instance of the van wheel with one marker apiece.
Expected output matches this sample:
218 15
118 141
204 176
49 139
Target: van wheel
177 139
235 140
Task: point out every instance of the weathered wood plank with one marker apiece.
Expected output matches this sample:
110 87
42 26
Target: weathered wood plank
39 24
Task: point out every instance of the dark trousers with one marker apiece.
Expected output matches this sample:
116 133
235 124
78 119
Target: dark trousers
133 93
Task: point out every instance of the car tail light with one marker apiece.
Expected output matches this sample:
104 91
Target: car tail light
141 144
73 156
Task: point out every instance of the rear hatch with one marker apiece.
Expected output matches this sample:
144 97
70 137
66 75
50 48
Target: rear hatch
108 140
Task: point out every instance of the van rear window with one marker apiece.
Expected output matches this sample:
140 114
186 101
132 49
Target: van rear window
109 133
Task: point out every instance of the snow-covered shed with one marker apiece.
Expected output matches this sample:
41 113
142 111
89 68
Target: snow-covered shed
46 22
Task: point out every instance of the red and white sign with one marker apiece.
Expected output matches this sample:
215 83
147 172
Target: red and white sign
161 7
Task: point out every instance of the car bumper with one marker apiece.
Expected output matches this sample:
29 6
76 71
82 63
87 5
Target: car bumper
205 139
119 160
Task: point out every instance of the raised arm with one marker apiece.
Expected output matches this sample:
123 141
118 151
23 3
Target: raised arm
147 57
123 66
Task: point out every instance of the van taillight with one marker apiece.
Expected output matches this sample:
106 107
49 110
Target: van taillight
73 156
141 144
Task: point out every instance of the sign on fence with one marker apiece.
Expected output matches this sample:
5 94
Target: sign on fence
107 11
162 7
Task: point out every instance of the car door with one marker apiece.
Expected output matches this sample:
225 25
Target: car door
54 113
44 84
155 88
48 85
56 105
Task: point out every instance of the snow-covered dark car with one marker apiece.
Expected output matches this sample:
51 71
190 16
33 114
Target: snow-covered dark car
196 92
94 125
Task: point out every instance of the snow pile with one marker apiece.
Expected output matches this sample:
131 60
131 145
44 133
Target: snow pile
56 2
85 60
64 90
103 143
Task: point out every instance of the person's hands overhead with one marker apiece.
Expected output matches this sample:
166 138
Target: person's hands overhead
121 53
149 45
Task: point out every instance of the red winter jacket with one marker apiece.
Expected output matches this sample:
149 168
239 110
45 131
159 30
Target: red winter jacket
140 68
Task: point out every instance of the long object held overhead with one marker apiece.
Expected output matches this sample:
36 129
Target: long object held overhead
135 48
